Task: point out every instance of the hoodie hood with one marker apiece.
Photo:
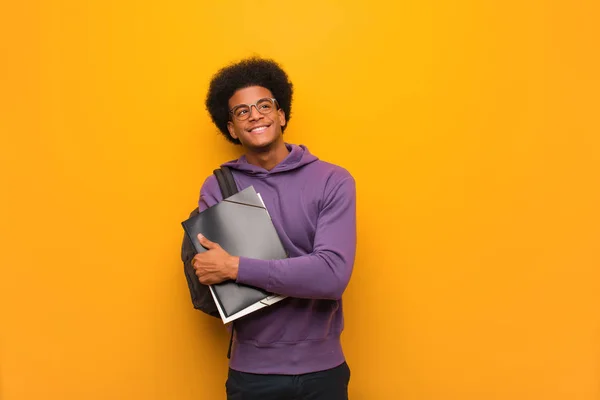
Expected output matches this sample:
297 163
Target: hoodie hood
298 157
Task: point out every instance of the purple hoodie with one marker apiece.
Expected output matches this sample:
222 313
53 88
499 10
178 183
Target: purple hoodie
313 207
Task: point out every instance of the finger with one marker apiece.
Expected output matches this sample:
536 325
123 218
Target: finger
207 243
208 280
196 261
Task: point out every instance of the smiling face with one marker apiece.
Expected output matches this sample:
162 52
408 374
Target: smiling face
260 131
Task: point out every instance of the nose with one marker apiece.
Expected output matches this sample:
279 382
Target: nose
254 114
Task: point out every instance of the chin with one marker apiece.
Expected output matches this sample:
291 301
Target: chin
259 147
261 144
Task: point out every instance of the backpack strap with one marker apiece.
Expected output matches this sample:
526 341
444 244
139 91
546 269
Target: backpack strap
226 181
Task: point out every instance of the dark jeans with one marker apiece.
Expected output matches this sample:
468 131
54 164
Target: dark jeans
331 384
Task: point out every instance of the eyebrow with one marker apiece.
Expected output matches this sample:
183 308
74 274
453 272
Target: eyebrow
247 104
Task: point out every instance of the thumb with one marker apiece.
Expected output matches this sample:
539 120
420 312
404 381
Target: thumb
207 243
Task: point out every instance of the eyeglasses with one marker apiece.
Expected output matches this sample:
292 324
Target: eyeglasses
265 106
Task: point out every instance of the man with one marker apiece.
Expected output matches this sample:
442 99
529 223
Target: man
290 350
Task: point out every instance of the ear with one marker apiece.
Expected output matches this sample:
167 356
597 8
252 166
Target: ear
231 130
281 115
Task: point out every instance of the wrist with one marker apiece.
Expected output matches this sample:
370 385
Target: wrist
232 267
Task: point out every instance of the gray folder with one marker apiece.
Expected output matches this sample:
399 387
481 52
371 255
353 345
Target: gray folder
241 225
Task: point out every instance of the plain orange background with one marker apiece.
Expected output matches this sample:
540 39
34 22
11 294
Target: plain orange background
471 128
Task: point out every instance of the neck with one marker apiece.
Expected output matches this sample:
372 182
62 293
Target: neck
269 157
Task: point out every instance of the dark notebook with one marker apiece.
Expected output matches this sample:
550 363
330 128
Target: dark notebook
241 225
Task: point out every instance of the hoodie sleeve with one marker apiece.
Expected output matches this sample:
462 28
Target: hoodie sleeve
324 273
210 194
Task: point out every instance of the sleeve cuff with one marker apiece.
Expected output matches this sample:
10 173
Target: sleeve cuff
253 272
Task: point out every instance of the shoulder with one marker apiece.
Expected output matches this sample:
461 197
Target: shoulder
210 185
332 173
335 180
210 193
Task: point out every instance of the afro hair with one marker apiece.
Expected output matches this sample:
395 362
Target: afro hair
249 72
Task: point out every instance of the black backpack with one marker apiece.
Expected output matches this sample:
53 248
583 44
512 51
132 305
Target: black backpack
201 296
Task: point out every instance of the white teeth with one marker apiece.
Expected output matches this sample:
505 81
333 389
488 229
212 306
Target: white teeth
259 129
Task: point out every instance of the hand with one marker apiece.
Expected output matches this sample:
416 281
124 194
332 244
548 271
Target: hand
214 265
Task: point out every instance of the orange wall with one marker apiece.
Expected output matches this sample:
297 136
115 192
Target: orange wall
477 272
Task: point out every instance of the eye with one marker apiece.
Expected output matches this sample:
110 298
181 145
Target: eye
240 111
265 105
